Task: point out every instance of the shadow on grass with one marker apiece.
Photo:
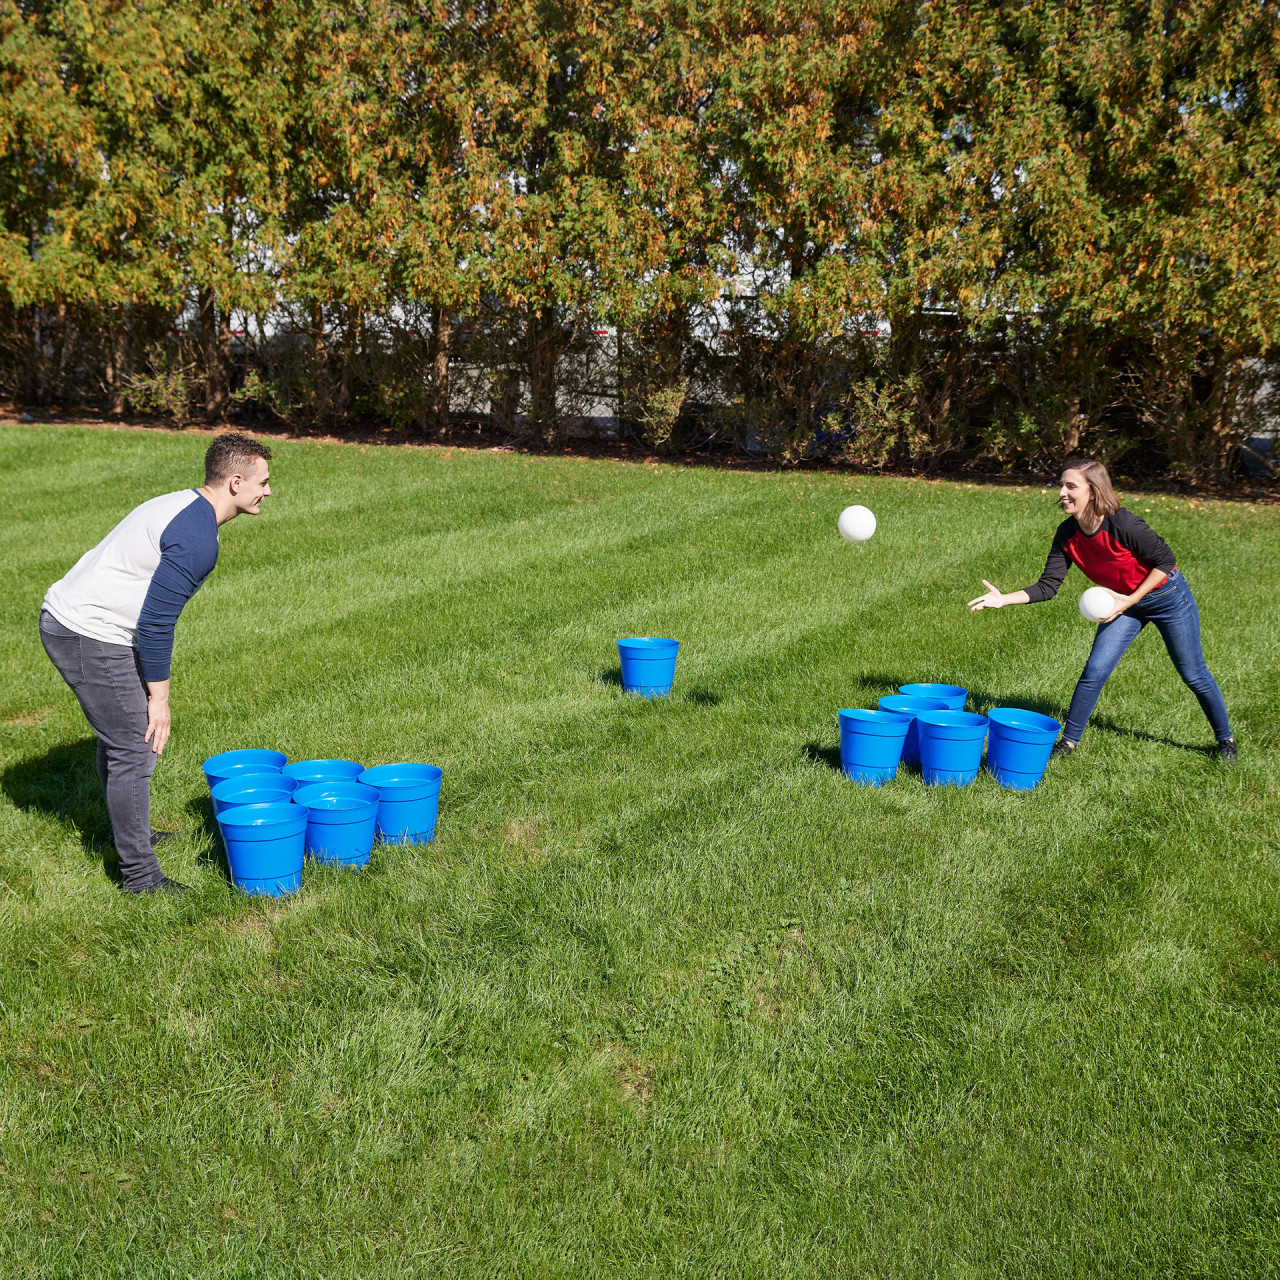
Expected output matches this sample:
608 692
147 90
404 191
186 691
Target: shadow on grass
63 783
815 751
610 676
702 698
982 700
207 836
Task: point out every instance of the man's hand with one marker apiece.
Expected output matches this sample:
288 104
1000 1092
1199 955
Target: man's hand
158 715
994 599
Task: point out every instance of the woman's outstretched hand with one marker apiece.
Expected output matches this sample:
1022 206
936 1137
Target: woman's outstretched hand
994 599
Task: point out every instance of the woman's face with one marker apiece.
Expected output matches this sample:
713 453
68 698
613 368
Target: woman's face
1073 494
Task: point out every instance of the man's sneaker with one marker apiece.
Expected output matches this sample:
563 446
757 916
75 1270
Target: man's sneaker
1062 748
163 885
160 837
1227 750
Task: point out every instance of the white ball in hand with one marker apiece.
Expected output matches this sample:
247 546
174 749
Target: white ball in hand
1097 603
857 524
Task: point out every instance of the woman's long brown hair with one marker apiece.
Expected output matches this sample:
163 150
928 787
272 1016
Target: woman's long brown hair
1102 497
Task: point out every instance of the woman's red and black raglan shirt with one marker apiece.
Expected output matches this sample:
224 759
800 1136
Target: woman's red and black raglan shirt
1118 556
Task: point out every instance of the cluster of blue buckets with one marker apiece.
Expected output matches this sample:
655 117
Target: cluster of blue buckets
927 725
273 814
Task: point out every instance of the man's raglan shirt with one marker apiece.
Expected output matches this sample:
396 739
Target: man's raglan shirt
1118 556
132 586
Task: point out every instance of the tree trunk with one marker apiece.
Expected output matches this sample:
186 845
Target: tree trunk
1224 434
441 340
117 358
543 359
350 345
59 353
215 348
504 400
319 364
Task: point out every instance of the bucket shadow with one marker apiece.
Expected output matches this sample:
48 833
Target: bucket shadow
702 698
610 676
63 784
207 836
829 756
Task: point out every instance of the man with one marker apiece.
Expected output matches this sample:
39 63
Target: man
108 628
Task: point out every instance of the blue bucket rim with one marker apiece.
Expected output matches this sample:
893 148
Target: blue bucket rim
328 760
333 791
284 814
649 642
951 689
935 704
248 781
1003 716
870 716
971 719
435 774
224 758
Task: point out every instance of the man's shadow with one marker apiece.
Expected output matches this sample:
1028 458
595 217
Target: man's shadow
63 784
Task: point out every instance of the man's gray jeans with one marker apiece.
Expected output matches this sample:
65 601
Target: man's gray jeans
108 683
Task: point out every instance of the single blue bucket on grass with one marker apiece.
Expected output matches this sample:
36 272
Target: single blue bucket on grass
341 818
871 745
229 763
648 665
306 771
896 705
1018 746
409 795
950 746
952 694
264 844
252 788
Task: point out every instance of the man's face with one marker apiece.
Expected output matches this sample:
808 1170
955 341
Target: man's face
248 490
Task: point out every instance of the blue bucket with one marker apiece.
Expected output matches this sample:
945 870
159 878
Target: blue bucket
306 771
952 694
409 796
648 665
264 844
950 746
252 788
341 817
1019 745
897 705
229 763
871 745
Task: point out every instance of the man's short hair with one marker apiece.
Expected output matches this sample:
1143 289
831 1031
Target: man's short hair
230 453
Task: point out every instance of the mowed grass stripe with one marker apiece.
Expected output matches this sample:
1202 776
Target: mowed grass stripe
668 995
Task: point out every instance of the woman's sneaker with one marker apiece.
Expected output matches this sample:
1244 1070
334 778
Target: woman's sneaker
1227 750
1062 748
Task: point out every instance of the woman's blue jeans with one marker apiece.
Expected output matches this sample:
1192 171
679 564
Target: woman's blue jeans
1171 608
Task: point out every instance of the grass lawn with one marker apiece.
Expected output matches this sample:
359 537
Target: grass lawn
668 995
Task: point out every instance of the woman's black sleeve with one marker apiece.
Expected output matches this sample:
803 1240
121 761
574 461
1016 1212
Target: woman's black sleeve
1055 567
1134 533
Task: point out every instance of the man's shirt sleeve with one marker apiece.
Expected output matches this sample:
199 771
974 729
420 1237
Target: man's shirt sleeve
188 553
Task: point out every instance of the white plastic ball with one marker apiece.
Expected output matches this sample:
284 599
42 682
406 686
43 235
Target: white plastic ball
1097 603
857 524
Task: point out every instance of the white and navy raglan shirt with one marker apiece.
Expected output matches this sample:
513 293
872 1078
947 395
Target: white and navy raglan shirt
132 586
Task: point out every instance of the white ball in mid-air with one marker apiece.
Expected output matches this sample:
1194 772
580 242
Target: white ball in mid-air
857 524
1097 603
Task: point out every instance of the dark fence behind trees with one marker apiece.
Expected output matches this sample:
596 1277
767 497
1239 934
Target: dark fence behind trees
895 232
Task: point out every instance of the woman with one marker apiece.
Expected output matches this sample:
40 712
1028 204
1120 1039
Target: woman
1117 550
